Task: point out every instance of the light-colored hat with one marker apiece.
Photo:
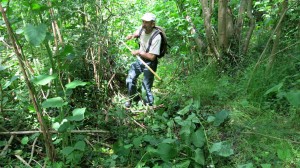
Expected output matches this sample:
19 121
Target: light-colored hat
149 17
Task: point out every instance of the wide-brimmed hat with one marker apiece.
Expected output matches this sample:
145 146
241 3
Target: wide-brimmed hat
148 17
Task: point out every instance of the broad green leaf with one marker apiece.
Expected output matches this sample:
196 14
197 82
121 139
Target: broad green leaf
169 140
75 83
248 165
199 156
78 114
56 126
185 132
294 98
2 68
220 117
284 154
35 35
35 6
150 139
137 141
43 79
3 143
166 151
192 117
67 150
223 148
198 138
80 145
10 81
184 164
64 126
275 89
185 110
53 102
266 165
25 140
211 119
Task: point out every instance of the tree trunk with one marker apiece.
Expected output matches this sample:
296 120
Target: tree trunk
284 7
47 136
251 28
208 29
222 25
229 24
240 21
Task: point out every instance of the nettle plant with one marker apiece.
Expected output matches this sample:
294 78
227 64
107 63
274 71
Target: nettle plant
65 121
176 141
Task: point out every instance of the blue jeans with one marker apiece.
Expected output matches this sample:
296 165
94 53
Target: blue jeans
131 81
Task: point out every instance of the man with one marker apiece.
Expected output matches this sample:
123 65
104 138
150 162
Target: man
150 58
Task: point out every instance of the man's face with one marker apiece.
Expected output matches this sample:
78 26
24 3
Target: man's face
148 25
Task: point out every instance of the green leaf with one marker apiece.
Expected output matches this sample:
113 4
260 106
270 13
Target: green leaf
67 150
284 154
80 145
198 138
294 98
56 126
220 117
266 165
25 140
137 141
166 151
3 143
35 35
248 165
53 102
78 114
199 156
223 148
7 84
184 164
211 119
75 83
64 126
275 89
43 79
2 68
185 110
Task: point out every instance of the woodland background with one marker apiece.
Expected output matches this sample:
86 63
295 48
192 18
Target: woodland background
230 88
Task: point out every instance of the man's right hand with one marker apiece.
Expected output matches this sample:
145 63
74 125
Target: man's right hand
129 37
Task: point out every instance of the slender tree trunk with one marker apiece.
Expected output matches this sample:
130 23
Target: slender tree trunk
229 24
222 25
240 21
208 29
47 136
251 28
284 7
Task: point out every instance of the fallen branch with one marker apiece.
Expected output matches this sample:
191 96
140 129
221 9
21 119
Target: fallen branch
52 131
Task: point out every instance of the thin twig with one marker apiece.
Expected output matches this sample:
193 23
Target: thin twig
137 123
32 150
88 142
22 160
7 145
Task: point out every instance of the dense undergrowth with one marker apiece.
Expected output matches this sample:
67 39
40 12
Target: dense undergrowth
208 119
